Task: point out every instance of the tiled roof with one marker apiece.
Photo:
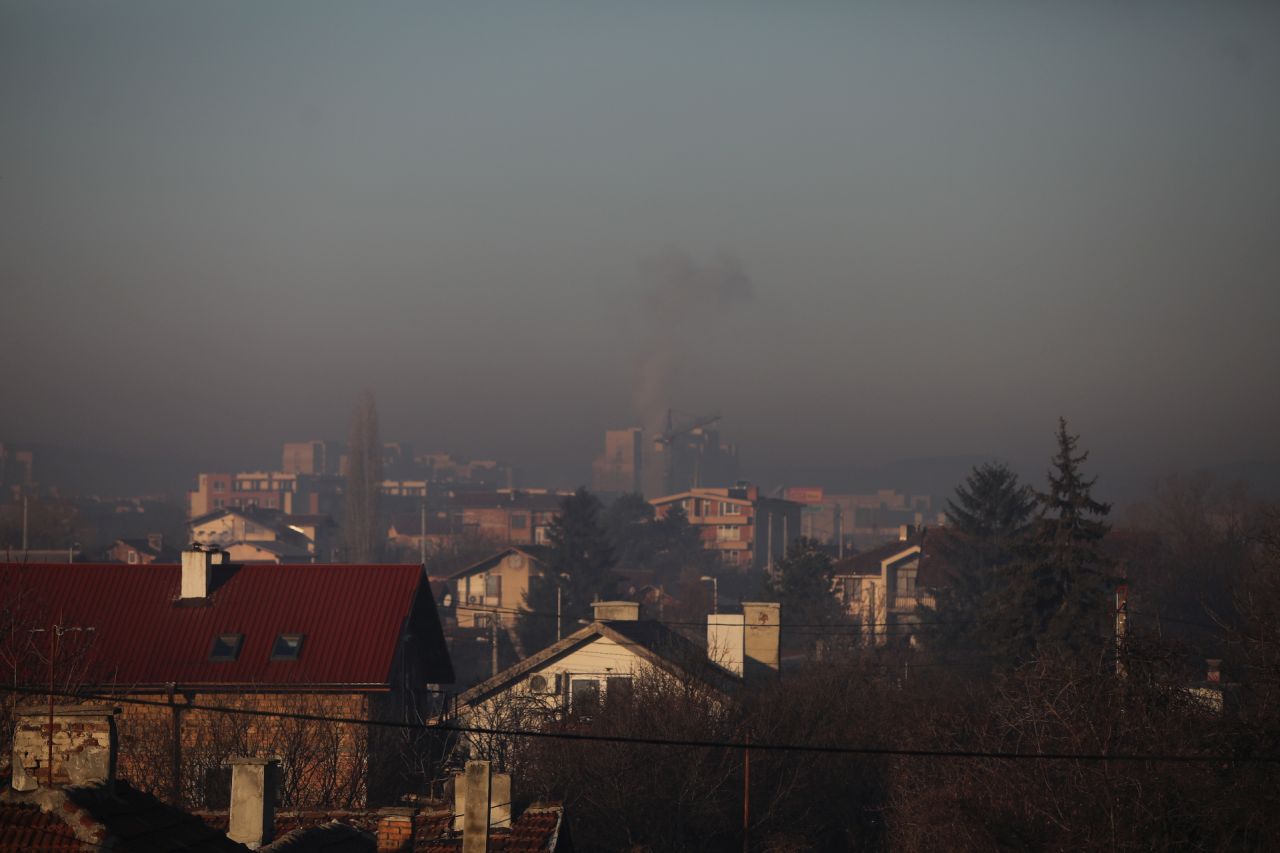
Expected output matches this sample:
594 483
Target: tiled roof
540 829
351 617
26 827
333 837
868 562
95 817
533 552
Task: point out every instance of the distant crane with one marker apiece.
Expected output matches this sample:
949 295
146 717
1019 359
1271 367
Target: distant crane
663 446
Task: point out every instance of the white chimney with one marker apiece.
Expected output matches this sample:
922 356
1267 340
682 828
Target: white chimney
617 611
725 640
475 819
197 566
499 796
763 638
253 800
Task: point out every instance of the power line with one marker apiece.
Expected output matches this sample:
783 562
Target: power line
830 749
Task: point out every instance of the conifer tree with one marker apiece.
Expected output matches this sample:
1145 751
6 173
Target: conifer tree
1054 596
986 521
579 564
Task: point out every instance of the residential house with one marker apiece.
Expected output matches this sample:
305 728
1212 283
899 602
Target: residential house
494 586
746 529
299 494
361 642
603 659
882 587
142 551
262 535
505 516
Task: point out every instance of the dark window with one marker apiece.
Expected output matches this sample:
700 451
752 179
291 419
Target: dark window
519 520
226 647
287 647
617 689
584 697
493 586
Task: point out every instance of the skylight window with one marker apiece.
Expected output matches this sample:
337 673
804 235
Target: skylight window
226 648
287 647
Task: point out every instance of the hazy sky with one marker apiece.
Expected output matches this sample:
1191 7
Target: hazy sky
860 231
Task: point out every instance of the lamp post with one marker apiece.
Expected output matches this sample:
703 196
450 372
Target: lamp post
715 592
560 577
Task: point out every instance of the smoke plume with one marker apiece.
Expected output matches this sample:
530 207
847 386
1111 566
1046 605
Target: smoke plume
684 301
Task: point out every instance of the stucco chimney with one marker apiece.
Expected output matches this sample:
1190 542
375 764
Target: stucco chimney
763 638
725 640
475 820
499 805
197 566
84 744
253 800
616 611
906 531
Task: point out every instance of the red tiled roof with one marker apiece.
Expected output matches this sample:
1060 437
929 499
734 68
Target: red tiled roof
540 829
25 827
352 618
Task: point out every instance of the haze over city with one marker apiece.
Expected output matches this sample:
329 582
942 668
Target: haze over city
861 233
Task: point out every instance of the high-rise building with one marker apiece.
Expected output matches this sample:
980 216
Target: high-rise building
618 469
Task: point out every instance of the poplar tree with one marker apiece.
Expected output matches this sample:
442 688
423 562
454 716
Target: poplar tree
364 537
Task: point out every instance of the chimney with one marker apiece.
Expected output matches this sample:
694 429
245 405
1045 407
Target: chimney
725 640
155 541
499 805
84 744
475 820
763 641
616 611
906 531
253 800
196 570
1213 670
394 833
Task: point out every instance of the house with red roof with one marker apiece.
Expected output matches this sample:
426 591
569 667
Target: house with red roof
209 658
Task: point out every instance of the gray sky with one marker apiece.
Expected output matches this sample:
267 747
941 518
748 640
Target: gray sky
901 229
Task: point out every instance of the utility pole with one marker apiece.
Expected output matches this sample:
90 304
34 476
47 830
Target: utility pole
839 533
746 793
422 532
1122 625
24 527
493 643
55 633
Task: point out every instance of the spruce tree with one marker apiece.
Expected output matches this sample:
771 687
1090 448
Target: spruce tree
580 564
986 521
1054 596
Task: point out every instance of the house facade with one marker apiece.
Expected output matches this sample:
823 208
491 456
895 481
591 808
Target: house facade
882 588
358 642
496 585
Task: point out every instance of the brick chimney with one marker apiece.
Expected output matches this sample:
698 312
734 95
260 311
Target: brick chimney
253 800
84 746
395 829
615 611
1213 670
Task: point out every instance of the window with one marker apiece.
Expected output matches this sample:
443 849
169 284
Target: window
730 509
287 647
731 557
617 689
852 590
217 485
493 586
217 502
584 695
727 533
226 648
519 520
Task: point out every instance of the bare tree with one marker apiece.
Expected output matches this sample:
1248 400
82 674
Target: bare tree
364 534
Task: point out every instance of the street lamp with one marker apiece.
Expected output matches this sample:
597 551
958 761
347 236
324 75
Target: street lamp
715 591
562 576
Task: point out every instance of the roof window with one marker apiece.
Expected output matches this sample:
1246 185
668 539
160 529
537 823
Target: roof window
226 648
287 647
